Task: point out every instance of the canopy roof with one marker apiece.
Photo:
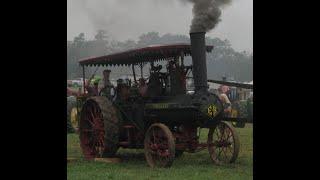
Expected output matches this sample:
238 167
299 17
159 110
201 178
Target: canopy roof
141 55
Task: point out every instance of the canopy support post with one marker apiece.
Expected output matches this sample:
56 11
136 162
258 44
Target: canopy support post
141 69
83 78
134 74
182 58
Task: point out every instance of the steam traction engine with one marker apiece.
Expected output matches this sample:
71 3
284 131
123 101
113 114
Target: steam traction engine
166 121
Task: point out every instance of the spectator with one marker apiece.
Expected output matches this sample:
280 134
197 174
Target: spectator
71 92
106 85
225 101
92 90
106 78
143 87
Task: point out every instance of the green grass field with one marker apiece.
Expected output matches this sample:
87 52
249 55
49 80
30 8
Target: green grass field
188 166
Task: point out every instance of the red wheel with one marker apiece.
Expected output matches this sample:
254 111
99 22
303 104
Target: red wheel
159 146
98 128
223 143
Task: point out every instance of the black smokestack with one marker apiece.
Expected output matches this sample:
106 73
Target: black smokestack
198 52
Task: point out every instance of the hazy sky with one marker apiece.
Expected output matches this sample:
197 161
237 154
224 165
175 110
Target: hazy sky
128 19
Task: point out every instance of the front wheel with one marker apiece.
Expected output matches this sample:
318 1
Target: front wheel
223 143
159 146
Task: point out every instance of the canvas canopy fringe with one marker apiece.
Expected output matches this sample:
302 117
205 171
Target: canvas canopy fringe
141 55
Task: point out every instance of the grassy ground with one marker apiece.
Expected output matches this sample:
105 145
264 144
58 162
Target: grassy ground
188 166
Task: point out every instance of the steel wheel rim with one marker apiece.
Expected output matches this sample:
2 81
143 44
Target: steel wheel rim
223 143
157 147
92 131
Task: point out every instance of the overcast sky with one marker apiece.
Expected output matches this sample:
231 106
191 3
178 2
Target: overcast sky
128 19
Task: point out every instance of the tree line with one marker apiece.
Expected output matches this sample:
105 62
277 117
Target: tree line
223 61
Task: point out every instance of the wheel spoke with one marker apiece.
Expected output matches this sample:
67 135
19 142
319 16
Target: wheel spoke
225 155
220 150
154 137
93 130
231 150
223 133
217 133
229 135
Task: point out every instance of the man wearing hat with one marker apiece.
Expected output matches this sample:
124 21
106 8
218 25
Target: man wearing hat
106 77
143 87
107 85
93 90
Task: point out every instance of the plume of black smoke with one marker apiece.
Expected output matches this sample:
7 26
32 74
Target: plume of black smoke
97 13
206 14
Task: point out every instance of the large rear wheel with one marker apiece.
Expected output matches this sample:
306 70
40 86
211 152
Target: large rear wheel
159 146
99 128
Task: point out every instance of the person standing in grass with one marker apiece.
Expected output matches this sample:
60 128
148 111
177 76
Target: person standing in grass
225 101
71 102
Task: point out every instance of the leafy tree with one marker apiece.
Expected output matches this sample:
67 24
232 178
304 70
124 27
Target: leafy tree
148 39
79 40
101 35
223 60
